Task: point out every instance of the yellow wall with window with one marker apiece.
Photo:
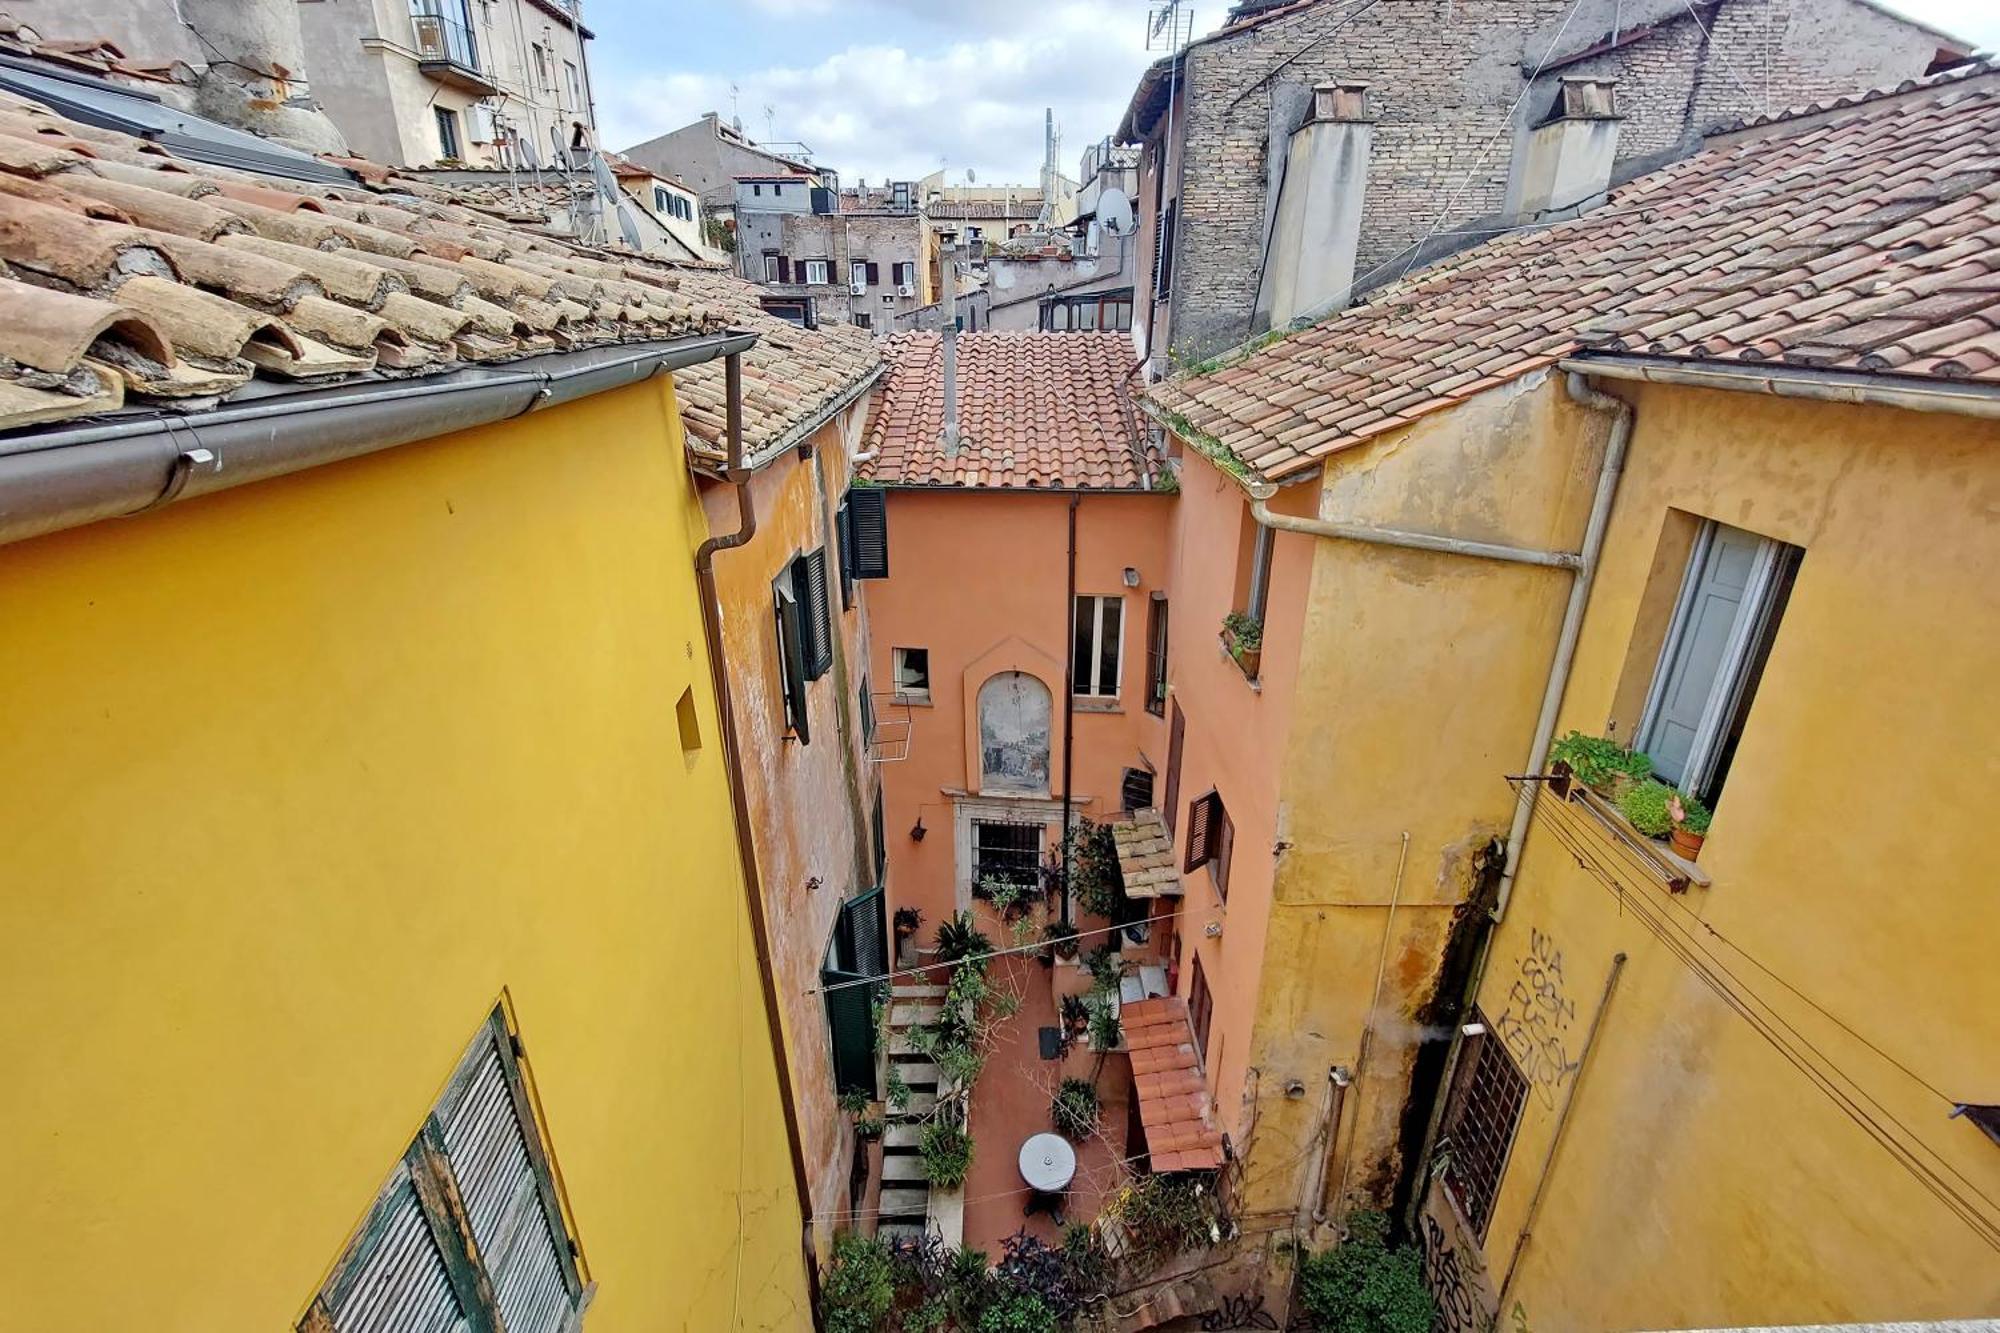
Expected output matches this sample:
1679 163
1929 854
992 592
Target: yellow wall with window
1703 1179
297 780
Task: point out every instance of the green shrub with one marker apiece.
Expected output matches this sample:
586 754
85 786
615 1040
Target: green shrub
1646 807
1074 1110
1164 1216
1246 630
1691 815
1363 1285
959 938
1097 886
1017 1312
947 1153
854 1102
1597 761
858 1290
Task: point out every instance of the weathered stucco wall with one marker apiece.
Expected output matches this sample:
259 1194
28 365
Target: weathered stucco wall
807 802
1849 855
314 770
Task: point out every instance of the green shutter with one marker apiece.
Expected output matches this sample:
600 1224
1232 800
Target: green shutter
868 532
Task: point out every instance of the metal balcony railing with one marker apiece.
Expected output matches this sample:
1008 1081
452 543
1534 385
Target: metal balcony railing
444 33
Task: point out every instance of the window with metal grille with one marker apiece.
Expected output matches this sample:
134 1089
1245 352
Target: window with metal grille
1479 1124
467 1232
1004 853
1211 837
1135 791
1156 654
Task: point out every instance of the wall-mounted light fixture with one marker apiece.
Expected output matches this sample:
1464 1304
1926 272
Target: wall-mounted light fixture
1131 577
1213 930
917 833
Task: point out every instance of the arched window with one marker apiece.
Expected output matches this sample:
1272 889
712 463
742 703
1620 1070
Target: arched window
1014 713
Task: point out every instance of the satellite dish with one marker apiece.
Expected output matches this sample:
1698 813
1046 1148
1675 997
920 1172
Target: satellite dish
970 175
1114 210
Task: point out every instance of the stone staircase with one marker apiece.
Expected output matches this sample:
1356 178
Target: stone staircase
906 1194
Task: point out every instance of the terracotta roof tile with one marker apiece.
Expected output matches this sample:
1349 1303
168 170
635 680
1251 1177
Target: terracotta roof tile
1036 410
1869 242
1174 1104
134 276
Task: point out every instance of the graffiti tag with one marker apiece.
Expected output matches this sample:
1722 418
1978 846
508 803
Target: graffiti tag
1459 1309
1536 1022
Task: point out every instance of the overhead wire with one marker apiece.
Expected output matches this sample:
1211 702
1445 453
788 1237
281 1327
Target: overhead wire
1637 899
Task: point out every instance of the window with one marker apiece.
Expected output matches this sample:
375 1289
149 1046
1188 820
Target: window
1156 654
575 82
1211 838
1479 1124
467 1231
447 124
1097 646
809 587
1015 718
1135 790
1723 626
541 65
791 658
662 201
816 273
863 320
913 672
1163 253
756 189
857 954
905 273
1201 1009
857 272
1253 578
774 267
1176 742
1005 853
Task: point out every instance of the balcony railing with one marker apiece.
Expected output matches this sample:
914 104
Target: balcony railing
444 39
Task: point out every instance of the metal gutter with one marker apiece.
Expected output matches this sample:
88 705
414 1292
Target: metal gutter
799 434
1831 386
1261 492
68 476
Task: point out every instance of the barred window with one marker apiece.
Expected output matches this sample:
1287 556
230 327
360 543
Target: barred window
1485 1110
1004 853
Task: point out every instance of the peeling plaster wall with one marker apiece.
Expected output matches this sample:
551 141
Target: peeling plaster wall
807 802
1850 855
315 769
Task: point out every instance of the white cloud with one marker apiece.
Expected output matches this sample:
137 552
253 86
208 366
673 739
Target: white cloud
883 110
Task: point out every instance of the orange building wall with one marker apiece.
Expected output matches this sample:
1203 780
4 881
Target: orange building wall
980 579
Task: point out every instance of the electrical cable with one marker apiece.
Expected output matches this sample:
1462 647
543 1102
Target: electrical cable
928 969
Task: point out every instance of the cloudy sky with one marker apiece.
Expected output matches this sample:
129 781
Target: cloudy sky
886 89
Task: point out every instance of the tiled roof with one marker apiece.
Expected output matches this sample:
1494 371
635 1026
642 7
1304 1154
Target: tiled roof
1026 208
1870 242
1036 410
1146 856
1173 1096
130 274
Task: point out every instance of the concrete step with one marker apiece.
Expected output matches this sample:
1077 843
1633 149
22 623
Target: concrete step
906 1203
917 993
902 1166
899 1231
912 1015
901 1043
902 1137
918 1073
921 1104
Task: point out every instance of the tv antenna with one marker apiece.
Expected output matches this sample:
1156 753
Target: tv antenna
1169 26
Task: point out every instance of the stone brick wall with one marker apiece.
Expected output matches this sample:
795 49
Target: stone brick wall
838 238
1449 90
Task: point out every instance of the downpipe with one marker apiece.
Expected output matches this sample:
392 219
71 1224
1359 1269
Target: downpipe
738 474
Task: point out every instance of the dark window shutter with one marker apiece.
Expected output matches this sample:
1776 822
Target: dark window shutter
1200 839
843 533
874 274
1156 655
1176 740
1163 251
1222 837
881 840
792 662
816 623
784 269
868 532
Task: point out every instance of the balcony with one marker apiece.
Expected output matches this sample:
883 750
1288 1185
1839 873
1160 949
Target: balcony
446 49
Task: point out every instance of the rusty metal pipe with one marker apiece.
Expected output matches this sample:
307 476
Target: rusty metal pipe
738 475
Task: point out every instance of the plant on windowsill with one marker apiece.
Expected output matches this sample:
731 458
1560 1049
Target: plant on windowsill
1690 828
1243 636
1601 764
1074 1109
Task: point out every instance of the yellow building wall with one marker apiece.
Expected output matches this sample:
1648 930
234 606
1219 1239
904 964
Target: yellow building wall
296 780
1704 1180
1418 682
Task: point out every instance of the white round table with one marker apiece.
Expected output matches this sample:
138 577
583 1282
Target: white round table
1048 1163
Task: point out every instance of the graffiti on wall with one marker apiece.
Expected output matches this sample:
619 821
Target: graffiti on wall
1535 1025
1458 1306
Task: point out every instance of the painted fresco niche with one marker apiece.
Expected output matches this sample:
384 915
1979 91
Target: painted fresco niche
1015 711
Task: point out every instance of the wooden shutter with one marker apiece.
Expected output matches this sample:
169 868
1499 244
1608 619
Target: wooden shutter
1201 832
816 620
1176 741
1201 1008
1156 654
1163 251
784 269
495 1153
396 1273
874 274
791 659
1222 840
843 536
868 531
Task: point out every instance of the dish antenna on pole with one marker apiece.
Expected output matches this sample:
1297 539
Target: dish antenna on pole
970 176
1114 210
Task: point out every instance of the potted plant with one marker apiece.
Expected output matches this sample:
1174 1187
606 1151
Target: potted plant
908 921
1599 763
1646 807
1243 636
1059 939
1690 828
1075 1016
947 1152
1074 1109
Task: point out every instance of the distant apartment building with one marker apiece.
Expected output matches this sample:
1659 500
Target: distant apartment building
711 154
1432 154
861 256
1078 278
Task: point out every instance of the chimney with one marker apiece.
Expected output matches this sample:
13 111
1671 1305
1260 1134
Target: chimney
1309 259
1567 160
256 75
948 268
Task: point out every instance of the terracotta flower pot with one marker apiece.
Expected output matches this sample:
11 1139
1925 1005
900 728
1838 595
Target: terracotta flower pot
1685 843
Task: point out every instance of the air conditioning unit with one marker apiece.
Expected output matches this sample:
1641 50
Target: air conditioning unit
906 289
858 288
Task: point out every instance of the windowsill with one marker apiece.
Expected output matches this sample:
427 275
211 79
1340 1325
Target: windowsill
914 700
1091 703
1674 872
1250 663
